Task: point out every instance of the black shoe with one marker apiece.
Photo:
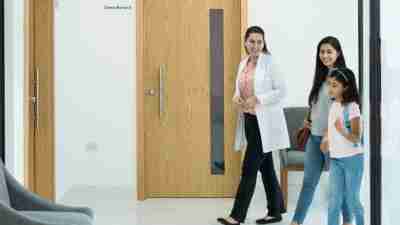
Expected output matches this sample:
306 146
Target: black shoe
274 219
226 222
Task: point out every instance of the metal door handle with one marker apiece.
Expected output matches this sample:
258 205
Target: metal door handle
149 92
37 98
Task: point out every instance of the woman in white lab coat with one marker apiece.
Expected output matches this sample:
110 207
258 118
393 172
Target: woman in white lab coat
261 125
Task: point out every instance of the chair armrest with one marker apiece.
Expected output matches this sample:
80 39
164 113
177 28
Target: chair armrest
22 199
11 216
283 155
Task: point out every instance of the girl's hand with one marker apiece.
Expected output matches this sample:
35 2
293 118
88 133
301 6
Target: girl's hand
354 135
324 147
324 144
339 126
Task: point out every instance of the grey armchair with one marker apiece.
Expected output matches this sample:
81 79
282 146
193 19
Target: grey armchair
292 159
21 207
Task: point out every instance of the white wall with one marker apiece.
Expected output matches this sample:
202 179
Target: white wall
14 68
94 95
293 30
390 111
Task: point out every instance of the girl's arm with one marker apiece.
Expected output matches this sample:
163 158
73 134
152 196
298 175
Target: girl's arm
354 135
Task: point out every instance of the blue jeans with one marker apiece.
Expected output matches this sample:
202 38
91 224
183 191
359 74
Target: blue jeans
313 166
345 182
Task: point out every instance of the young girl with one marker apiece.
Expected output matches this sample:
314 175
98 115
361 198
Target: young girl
343 136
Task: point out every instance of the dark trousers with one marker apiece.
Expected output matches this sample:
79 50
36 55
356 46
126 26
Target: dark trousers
255 159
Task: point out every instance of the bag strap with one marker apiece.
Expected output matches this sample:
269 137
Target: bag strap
347 122
346 116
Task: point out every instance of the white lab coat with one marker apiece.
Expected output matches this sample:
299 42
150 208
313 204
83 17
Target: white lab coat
270 89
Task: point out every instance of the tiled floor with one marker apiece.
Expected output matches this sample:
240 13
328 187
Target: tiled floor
116 206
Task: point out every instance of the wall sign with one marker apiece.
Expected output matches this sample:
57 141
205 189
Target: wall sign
118 6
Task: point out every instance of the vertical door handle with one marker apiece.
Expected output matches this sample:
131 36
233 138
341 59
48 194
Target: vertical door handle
37 96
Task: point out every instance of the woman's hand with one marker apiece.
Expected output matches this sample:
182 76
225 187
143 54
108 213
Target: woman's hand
251 102
307 124
238 101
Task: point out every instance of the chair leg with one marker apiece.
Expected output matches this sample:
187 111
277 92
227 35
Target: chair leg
284 184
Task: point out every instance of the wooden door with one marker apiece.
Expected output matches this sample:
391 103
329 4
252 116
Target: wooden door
39 97
177 101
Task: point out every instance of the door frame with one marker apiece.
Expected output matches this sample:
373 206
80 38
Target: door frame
29 178
33 182
140 126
